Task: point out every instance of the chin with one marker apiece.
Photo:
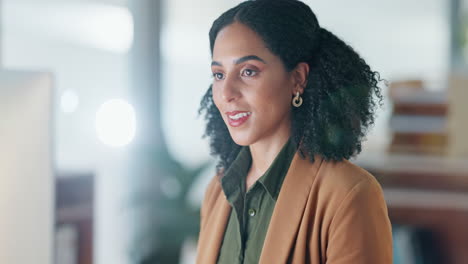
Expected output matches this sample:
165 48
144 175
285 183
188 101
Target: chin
240 138
241 142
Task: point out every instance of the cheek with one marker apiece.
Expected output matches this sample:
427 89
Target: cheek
277 95
215 97
273 103
217 100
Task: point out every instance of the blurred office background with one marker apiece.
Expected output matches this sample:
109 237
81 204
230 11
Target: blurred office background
130 166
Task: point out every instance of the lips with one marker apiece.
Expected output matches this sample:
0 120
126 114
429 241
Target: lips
237 118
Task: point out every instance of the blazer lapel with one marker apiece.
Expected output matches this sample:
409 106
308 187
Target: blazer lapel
289 209
217 223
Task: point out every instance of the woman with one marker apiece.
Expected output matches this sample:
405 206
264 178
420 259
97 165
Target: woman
290 103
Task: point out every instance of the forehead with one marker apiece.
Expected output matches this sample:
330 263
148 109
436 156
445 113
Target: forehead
237 40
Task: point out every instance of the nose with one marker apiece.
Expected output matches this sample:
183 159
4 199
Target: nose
230 90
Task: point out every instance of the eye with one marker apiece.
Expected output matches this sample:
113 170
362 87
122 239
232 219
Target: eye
218 76
249 72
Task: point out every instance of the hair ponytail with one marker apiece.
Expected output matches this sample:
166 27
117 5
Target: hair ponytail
340 94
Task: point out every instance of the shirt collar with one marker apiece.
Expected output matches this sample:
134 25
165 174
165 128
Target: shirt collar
273 178
233 181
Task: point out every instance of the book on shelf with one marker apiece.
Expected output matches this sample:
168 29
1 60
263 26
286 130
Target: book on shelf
435 139
422 109
419 143
419 122
417 149
421 97
403 87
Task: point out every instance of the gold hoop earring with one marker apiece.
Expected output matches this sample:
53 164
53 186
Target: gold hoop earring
297 100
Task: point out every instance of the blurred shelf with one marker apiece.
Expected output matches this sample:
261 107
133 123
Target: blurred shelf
417 171
433 200
446 219
429 192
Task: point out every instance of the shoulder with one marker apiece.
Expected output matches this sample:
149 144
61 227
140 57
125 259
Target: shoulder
344 186
354 207
340 178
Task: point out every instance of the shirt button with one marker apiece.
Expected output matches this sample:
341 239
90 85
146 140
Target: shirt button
252 212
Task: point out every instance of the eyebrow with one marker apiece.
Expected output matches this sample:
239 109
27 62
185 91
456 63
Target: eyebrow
240 60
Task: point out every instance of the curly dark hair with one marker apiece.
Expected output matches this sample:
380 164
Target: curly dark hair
341 95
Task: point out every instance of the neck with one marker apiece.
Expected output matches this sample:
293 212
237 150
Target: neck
264 152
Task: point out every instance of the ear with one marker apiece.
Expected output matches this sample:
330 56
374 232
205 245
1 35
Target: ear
300 75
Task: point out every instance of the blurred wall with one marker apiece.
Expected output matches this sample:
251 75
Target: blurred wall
398 38
60 36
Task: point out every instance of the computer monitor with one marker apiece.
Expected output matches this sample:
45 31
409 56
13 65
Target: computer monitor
26 168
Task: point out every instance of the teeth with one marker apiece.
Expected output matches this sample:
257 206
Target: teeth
240 115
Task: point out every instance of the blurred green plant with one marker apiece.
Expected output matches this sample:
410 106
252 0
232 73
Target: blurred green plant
461 32
163 217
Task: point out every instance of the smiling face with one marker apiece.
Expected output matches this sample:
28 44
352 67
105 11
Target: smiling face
251 87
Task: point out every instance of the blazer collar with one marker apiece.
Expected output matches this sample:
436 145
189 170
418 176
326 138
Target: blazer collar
284 222
289 209
209 242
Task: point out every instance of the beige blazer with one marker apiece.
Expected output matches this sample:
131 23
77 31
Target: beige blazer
326 212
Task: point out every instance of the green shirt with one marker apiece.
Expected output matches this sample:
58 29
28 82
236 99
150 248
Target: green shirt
250 217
